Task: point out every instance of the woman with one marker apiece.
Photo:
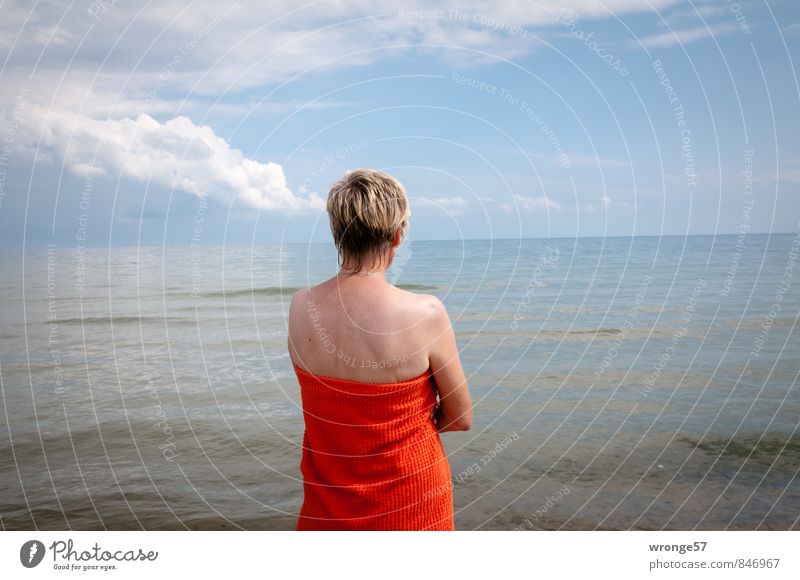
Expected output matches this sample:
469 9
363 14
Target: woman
371 360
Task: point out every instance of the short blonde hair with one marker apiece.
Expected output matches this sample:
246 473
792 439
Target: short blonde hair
366 208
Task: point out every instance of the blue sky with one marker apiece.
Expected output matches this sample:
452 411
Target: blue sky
170 123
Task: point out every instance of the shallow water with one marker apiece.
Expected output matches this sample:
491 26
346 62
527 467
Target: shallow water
637 383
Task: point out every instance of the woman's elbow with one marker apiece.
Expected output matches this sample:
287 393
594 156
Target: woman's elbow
457 423
464 422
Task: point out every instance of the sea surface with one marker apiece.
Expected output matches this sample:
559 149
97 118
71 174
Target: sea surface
619 383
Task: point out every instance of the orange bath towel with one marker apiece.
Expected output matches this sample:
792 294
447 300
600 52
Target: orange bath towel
372 458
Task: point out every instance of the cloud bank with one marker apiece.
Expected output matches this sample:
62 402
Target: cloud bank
176 154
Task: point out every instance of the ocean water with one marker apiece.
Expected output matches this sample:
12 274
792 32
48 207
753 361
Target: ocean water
619 383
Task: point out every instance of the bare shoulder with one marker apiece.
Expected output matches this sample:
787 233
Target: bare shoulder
299 298
299 302
432 305
427 309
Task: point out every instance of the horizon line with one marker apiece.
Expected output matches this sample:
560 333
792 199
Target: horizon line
189 245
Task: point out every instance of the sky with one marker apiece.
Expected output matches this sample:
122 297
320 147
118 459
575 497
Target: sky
215 123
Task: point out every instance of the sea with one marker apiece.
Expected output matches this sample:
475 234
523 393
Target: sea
619 383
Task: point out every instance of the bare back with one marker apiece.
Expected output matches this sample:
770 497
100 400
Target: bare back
363 329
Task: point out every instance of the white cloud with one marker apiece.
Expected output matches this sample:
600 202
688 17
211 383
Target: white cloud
696 12
170 60
687 35
451 205
790 175
581 160
176 154
534 203
605 201
252 107
791 29
210 47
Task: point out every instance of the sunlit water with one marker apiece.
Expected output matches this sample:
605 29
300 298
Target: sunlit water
619 383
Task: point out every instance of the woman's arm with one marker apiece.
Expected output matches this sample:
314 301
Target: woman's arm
292 323
454 411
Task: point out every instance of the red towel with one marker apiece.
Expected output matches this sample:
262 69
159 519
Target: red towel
372 457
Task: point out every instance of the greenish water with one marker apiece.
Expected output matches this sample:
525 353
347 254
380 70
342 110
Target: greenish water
629 383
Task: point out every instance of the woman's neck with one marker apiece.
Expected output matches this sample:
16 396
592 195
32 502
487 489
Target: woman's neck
379 274
365 271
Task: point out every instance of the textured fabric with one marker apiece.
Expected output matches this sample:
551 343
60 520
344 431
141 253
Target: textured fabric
372 458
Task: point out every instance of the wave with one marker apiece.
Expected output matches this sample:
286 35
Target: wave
413 287
116 320
763 322
765 446
86 436
265 291
578 334
596 331
289 290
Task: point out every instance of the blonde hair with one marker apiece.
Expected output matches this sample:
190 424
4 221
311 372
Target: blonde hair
366 208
